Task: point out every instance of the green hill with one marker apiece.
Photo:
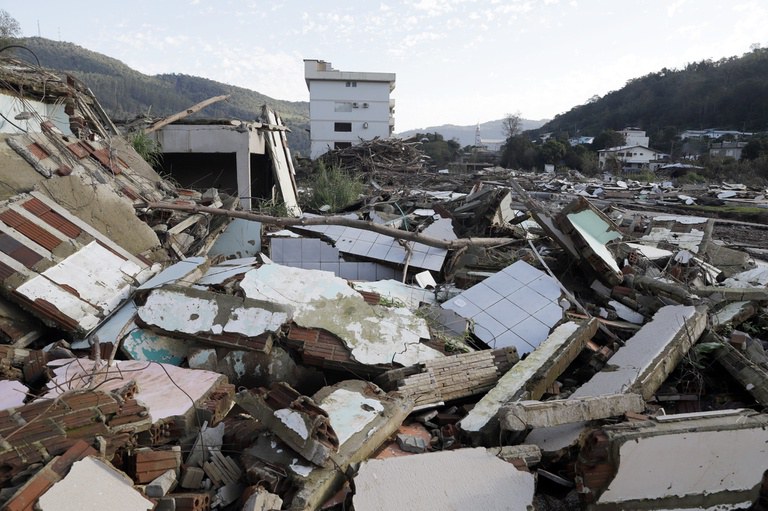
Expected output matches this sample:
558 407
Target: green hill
731 93
125 93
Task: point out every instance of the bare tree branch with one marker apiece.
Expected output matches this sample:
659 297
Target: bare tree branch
335 220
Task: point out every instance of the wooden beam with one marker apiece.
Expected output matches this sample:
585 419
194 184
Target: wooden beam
189 111
335 220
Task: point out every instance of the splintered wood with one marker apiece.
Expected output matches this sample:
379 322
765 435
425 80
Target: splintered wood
377 155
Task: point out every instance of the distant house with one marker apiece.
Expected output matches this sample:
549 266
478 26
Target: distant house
347 107
726 149
493 144
712 133
635 136
632 157
581 141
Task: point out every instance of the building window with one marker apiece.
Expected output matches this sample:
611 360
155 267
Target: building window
342 106
349 84
342 126
342 145
354 84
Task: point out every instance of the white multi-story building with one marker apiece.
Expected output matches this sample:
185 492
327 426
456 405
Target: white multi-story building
346 107
635 136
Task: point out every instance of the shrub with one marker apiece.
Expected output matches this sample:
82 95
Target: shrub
333 187
147 147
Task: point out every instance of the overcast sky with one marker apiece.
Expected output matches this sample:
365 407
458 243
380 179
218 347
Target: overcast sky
457 61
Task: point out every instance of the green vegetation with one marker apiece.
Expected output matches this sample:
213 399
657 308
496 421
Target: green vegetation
440 151
333 187
9 29
731 93
147 147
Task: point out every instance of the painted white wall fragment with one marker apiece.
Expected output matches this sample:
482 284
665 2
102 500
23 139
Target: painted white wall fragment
596 232
101 280
191 315
374 334
94 485
350 412
12 394
293 420
460 479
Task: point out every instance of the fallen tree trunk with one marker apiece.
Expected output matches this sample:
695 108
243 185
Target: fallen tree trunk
335 220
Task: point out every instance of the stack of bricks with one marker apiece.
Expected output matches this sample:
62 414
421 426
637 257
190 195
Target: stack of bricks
320 348
36 432
26 496
144 465
453 377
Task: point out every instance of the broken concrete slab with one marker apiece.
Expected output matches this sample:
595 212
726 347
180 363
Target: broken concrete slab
517 306
396 292
162 484
591 231
241 238
640 366
218 319
482 481
364 417
521 415
529 455
710 460
93 484
76 293
374 334
262 500
528 379
732 314
649 356
12 394
296 419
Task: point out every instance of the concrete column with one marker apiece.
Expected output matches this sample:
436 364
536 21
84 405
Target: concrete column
243 157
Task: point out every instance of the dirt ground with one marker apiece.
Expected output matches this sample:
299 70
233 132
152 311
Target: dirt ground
749 236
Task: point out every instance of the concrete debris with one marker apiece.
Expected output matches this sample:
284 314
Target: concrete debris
296 419
460 479
544 414
618 466
528 379
171 348
93 484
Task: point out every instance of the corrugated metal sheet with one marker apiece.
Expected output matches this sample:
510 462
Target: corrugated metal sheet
32 231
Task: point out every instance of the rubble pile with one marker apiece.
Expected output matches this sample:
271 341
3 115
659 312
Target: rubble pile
531 342
377 155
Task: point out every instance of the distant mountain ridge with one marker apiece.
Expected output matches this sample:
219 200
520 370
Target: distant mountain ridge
730 93
126 93
490 130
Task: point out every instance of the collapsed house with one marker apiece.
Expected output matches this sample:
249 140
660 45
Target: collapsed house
527 343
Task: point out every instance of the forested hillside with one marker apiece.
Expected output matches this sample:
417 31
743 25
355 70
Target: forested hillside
126 93
731 93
